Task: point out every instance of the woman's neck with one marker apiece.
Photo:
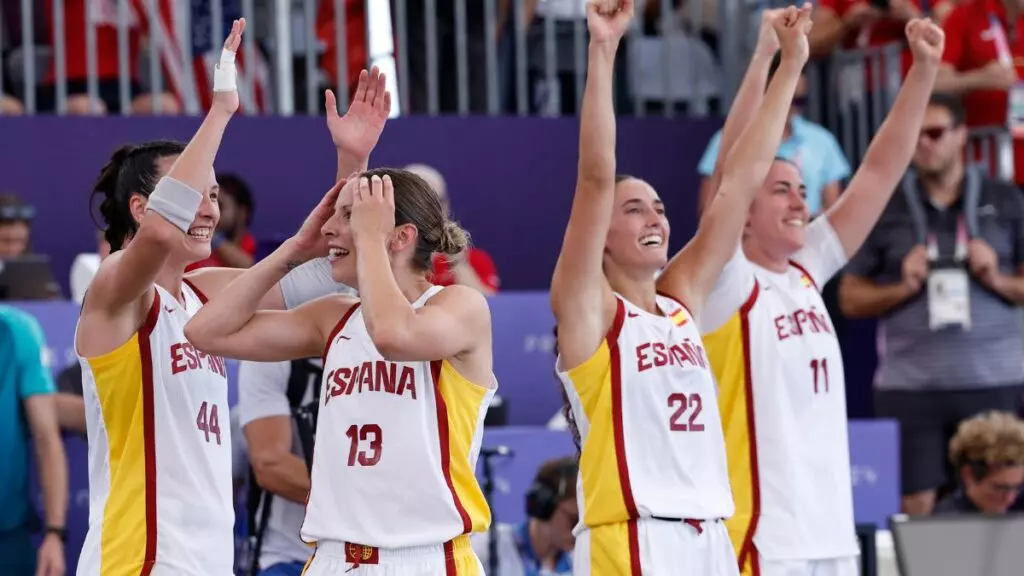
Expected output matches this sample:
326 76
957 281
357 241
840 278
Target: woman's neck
170 278
411 283
757 254
641 292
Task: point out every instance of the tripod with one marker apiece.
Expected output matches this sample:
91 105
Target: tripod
488 455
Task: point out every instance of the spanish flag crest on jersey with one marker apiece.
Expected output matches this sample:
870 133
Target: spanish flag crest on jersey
805 280
679 317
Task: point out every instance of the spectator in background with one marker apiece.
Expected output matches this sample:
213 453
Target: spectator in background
356 52
104 13
15 226
27 411
70 404
984 59
808 145
987 454
447 79
706 29
474 267
853 24
85 266
9 104
544 542
952 351
233 245
270 398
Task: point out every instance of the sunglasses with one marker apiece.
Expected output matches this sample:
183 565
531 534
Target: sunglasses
934 133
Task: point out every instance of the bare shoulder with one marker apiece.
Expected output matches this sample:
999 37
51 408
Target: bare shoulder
463 300
212 279
328 309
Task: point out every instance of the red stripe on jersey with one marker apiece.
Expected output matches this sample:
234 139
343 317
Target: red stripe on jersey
747 550
148 435
634 548
199 293
446 455
814 282
450 568
620 438
337 329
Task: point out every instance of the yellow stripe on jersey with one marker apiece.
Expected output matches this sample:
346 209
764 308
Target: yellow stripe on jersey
462 562
603 498
728 352
464 405
610 551
118 376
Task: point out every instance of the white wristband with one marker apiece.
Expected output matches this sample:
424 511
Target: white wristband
225 74
176 202
309 282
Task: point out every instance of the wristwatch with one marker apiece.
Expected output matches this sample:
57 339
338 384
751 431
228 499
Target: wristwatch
58 531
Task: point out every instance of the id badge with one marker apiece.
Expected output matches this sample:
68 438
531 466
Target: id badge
949 303
1016 110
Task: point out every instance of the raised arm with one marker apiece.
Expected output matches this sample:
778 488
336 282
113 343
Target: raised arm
129 274
892 148
229 324
691 274
581 298
746 104
456 322
356 133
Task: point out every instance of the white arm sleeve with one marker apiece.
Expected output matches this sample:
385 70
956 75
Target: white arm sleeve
309 282
731 290
822 255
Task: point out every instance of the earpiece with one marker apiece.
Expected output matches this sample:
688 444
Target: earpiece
542 499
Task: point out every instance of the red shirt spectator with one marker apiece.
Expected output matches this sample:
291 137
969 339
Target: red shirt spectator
480 261
355 37
247 243
878 32
106 39
970 47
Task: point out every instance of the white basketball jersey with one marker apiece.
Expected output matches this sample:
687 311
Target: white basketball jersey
783 403
159 452
396 447
645 405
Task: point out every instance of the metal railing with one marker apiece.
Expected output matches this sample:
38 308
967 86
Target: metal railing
493 57
522 57
992 148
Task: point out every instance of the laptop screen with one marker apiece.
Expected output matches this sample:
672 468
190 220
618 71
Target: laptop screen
971 544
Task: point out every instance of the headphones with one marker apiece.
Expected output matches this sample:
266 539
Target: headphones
542 498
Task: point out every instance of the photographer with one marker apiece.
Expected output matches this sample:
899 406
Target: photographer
277 410
543 544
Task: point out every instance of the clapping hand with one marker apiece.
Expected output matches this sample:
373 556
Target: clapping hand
357 132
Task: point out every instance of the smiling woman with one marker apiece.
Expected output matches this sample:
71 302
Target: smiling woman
630 354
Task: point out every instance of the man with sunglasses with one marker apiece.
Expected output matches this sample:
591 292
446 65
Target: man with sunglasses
943 272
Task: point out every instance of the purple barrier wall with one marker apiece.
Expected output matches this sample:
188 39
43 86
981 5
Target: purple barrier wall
510 179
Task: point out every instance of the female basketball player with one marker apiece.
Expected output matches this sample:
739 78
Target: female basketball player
653 476
777 360
156 408
407 379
